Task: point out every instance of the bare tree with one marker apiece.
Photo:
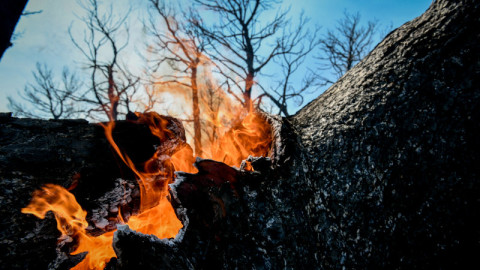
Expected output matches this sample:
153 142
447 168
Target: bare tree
244 42
182 48
213 98
287 87
148 101
47 96
105 37
346 45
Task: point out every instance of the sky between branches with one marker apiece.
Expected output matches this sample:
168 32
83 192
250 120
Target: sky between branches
44 37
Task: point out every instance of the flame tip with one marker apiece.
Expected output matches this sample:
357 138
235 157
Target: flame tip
234 140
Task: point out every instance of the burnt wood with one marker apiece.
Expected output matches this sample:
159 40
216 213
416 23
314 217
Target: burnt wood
380 171
74 154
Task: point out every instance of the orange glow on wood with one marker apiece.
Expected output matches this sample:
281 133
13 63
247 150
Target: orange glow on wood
251 136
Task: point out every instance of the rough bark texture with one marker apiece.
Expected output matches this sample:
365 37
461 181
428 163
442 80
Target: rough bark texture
381 171
384 173
393 149
68 153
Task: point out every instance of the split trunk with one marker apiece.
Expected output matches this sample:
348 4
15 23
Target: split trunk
381 171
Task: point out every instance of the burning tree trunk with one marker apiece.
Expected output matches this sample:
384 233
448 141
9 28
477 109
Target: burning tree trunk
381 171
75 155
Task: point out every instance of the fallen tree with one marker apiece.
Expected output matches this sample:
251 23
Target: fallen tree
381 171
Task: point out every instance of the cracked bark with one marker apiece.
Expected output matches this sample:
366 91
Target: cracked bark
381 171
382 174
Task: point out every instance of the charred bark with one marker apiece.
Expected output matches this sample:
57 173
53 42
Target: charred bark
75 155
381 171
393 149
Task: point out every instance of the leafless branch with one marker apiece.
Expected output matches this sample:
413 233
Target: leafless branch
243 43
47 96
105 37
346 45
180 47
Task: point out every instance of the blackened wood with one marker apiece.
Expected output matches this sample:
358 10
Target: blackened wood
380 172
393 149
71 153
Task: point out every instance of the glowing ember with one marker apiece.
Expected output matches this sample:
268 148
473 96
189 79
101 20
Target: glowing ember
252 136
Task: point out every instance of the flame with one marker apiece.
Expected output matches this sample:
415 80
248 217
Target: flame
251 136
156 216
231 134
71 222
183 160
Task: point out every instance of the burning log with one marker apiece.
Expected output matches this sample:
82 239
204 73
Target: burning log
75 155
381 171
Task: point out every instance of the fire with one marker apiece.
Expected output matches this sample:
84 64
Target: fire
231 140
251 136
71 222
183 160
156 216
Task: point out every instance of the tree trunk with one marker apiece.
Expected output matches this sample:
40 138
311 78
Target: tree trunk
247 93
112 95
379 172
10 13
197 128
392 149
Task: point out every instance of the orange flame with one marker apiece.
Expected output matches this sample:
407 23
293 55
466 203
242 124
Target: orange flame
230 132
230 139
71 222
156 216
252 136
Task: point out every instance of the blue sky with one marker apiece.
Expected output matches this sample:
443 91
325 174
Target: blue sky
44 37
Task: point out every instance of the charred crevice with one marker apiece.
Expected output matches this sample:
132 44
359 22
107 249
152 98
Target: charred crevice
211 205
379 172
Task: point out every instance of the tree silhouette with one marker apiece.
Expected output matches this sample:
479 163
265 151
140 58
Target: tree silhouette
182 48
244 42
346 45
48 96
111 83
284 88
